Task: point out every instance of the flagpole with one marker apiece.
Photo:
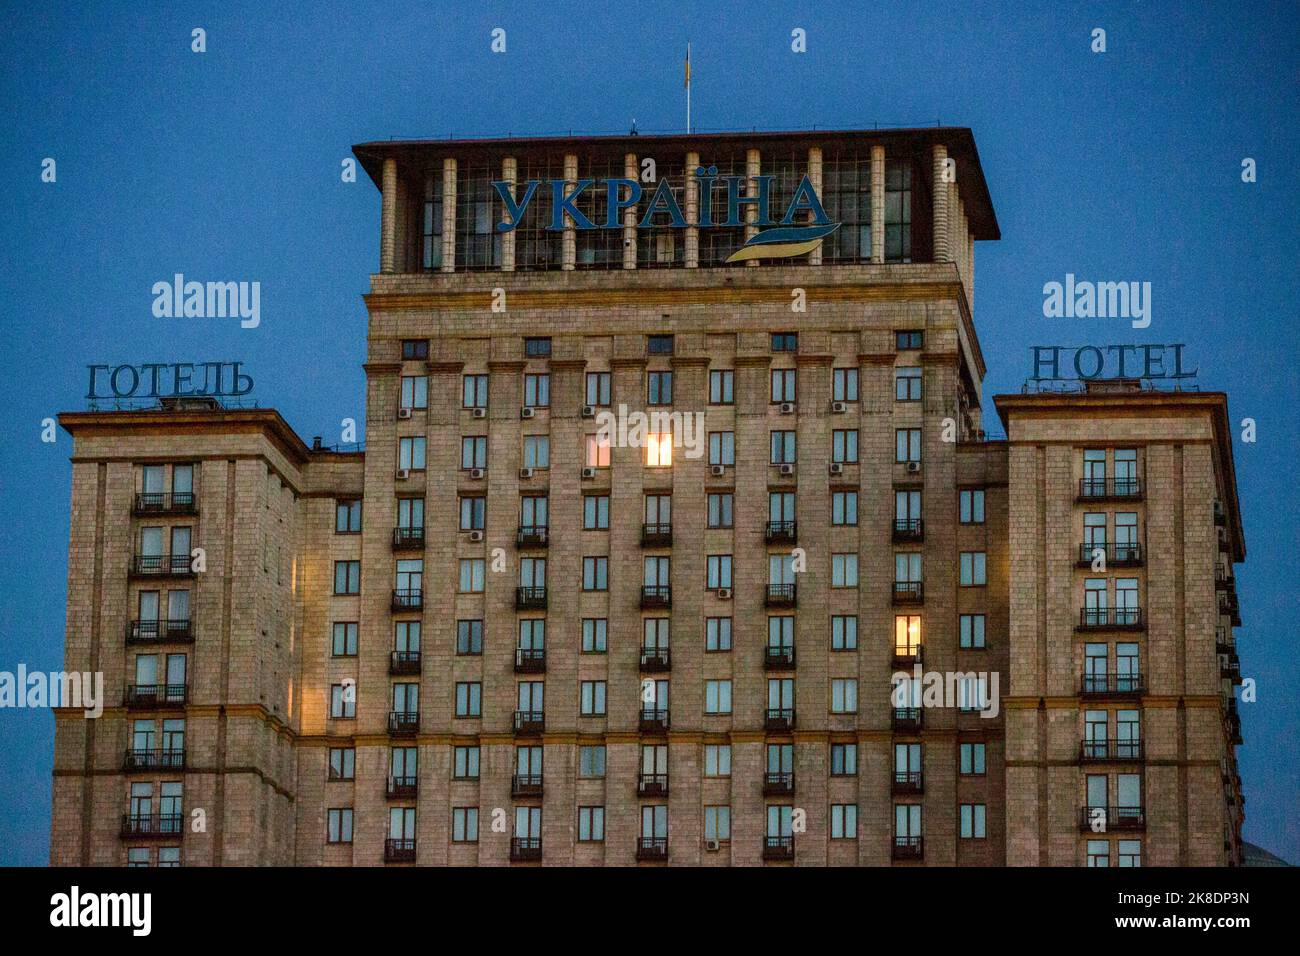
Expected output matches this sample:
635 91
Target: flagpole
688 87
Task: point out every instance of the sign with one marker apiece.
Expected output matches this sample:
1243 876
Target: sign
784 241
1091 362
170 380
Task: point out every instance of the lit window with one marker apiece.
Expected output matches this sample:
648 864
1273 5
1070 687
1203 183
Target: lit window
659 450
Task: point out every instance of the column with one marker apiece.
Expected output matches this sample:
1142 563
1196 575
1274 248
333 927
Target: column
877 204
449 215
569 254
815 177
939 194
692 255
509 172
629 216
753 168
388 217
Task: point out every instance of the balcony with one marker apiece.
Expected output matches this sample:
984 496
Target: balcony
781 532
530 660
526 785
408 599
907 656
778 848
161 566
1117 555
656 535
1105 819
408 539
906 720
652 848
530 599
778 658
778 783
778 718
1223 643
399 851
1110 619
653 720
530 722
156 696
134 761
1112 685
525 849
404 663
656 660
532 536
1230 669
403 723
1110 489
1229 606
908 781
179 631
652 785
909 592
781 595
1110 751
402 788
156 825
908 848
158 503
908 530
656 595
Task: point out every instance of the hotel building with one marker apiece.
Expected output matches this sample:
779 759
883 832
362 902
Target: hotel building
501 635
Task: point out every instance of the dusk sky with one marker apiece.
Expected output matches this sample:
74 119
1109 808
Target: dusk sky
1121 166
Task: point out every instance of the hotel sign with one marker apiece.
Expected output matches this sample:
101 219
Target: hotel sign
783 241
1093 362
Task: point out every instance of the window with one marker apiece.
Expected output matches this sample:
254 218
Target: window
783 448
469 699
340 825
844 821
534 512
717 697
343 701
471 575
844 632
907 384
722 387
169 856
785 342
597 452
972 821
598 385
844 507
347 577
343 763
473 514
844 695
474 391
722 448
844 760
898 211
595 574
413 349
410 453
345 639
659 450
473 452
464 824
844 385
537 390
971 760
719 571
783 385
469 637
594 631
415 391
907 635
347 516
972 506
595 512
907 444
592 698
844 570
972 631
659 344
465 763
717 824
844 445
591 761
717 634
591 824
659 388
721 507
137 856
1098 853
537 348
410 513
717 760
972 569
1130 852
537 451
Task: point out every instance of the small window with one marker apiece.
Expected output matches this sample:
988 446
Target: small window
907 445
474 391
347 516
592 698
595 631
343 763
844 385
537 451
972 506
907 384
972 569
591 824
464 825
844 570
469 637
972 760
415 391
844 821
717 760
721 507
659 344
591 761
469 699
785 342
595 513
340 825
972 821
907 340
537 391
415 349
844 632
595 573
972 631
465 763
598 386
783 385
343 701
844 446
659 388
717 697
537 348
844 695
722 387
844 508
345 639
347 577
844 760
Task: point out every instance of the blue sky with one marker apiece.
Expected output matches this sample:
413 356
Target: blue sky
1121 166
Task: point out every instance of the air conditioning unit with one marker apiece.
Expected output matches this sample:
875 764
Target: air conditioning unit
717 471
525 473
403 413
476 473
787 469
476 535
724 594
913 467
480 413
787 408
528 412
839 408
837 468
588 411
712 846
403 474
589 473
